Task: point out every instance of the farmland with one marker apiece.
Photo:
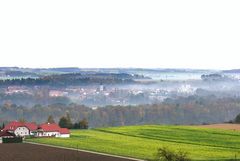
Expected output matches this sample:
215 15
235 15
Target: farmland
29 152
143 141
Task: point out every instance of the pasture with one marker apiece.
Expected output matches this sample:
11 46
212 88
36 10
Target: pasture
143 141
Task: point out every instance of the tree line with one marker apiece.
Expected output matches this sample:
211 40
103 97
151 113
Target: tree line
182 110
63 80
66 122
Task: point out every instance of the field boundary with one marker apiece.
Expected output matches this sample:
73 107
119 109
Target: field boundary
85 151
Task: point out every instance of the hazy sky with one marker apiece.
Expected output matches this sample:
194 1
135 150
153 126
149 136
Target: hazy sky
120 33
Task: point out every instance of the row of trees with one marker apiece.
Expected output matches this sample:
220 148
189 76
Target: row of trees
66 122
63 80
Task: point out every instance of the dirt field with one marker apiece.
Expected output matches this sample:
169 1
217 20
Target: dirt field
29 152
223 126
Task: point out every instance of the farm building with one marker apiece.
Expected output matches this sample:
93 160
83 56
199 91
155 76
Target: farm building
8 137
52 130
20 128
31 129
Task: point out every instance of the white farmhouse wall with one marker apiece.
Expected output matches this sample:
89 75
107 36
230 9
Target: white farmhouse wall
22 131
64 136
0 140
51 134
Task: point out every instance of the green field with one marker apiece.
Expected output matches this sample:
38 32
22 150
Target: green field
143 141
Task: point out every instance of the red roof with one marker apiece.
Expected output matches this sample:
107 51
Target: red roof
47 127
64 131
15 124
31 126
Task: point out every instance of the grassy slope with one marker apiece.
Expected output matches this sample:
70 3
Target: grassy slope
143 141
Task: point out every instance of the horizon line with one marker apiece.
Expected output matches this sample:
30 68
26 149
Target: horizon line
155 68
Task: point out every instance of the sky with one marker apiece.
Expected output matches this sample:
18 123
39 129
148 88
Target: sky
199 34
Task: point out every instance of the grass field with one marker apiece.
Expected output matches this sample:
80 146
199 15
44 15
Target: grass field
143 141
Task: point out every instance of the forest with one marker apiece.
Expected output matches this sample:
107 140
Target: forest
183 110
70 79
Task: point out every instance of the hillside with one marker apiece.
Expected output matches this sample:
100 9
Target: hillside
143 141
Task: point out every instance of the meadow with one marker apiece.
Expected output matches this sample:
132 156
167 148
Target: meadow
143 141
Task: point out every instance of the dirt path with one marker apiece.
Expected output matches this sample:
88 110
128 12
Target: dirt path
31 152
223 126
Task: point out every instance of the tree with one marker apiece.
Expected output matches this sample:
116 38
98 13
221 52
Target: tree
165 154
3 125
22 120
63 122
69 122
50 119
83 124
76 126
237 119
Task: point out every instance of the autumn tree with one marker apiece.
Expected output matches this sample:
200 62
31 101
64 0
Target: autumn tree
22 120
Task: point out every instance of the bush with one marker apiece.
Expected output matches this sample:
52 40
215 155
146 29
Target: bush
165 154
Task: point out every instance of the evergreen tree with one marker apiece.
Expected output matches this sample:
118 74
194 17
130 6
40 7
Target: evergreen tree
237 119
50 119
63 122
76 126
69 121
83 124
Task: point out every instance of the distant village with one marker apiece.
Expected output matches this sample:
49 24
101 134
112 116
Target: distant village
92 96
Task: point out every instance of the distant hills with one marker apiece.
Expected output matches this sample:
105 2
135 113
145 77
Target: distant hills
130 73
232 71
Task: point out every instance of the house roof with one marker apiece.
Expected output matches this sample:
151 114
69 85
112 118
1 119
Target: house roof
64 131
4 133
31 126
15 124
47 127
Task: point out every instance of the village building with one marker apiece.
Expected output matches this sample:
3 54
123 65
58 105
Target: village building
20 128
6 134
31 129
52 130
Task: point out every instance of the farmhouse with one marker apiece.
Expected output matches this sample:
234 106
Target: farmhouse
52 130
20 128
31 129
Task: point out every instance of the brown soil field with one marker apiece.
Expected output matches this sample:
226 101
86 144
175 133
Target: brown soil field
30 152
223 126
